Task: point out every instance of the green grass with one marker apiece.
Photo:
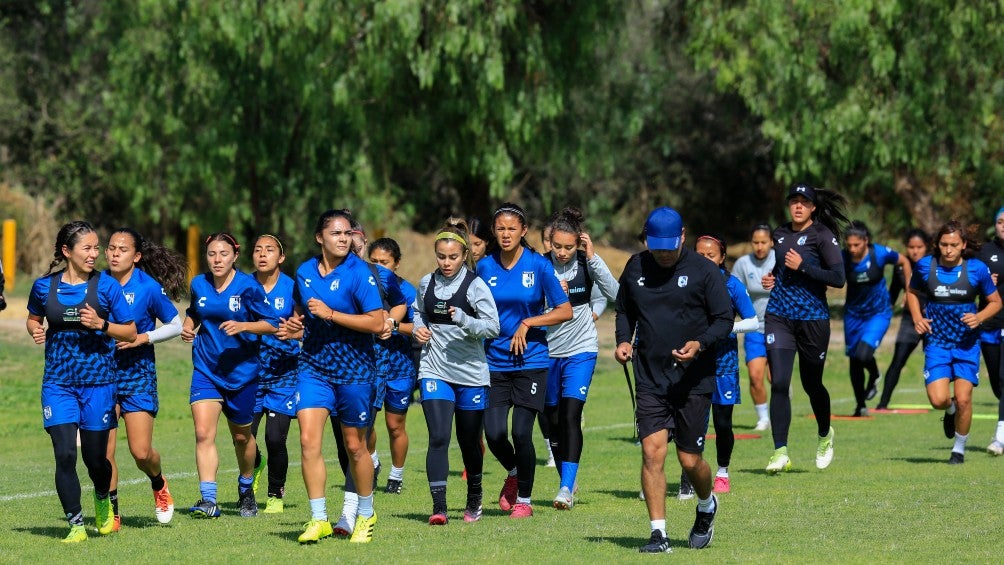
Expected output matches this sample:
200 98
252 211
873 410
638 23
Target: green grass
888 497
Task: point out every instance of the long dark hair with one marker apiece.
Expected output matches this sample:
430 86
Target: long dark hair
858 228
764 226
478 229
969 235
166 266
68 235
327 216
831 210
387 244
509 209
919 234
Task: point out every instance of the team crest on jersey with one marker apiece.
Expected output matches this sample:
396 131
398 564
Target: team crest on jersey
770 338
130 297
528 279
801 240
682 281
235 303
47 412
280 301
334 285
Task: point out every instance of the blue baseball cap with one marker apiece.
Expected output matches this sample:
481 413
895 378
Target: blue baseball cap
663 229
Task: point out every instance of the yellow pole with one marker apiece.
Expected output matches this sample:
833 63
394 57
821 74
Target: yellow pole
9 247
193 250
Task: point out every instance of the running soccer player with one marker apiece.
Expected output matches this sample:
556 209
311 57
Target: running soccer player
951 279
673 305
480 234
78 313
750 269
798 318
225 319
572 345
339 310
276 398
522 282
454 312
867 308
918 244
151 277
992 331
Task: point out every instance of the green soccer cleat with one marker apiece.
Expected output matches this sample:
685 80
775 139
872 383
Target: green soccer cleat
314 530
104 517
363 532
274 506
824 452
256 475
77 534
779 461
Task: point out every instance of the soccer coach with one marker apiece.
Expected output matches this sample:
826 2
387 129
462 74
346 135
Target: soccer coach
674 306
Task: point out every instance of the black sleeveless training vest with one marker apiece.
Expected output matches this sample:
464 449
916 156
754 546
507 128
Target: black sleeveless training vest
63 318
580 287
959 292
438 311
872 275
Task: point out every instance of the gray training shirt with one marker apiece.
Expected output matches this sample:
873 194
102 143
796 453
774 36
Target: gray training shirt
456 353
750 271
578 335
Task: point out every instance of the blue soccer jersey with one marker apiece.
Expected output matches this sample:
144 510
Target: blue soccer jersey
230 362
394 353
950 296
801 294
867 294
410 292
80 356
137 370
727 350
331 351
520 293
278 357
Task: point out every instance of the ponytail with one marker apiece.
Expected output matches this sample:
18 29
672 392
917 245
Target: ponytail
166 266
831 210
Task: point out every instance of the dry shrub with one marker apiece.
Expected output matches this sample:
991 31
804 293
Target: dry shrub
36 227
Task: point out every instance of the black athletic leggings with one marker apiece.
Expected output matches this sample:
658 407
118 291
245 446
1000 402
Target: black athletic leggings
565 423
992 354
725 439
519 454
439 416
782 363
899 357
862 359
276 432
93 450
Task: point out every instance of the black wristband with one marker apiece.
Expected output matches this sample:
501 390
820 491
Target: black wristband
104 326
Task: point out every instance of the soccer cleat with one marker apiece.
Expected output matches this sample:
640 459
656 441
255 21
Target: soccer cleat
686 489
314 530
104 517
118 523
564 499
438 518
363 532
721 485
641 494
956 458
824 451
247 504
550 461
376 475
704 527
256 475
472 513
394 486
762 425
77 534
948 424
521 510
204 509
860 411
163 504
507 497
779 461
995 448
274 505
657 543
344 526
872 390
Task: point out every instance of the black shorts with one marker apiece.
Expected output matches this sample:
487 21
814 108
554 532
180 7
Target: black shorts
810 338
684 416
907 333
524 388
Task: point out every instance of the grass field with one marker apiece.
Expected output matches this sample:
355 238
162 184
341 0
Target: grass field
888 497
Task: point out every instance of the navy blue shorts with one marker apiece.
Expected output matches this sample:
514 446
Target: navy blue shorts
238 405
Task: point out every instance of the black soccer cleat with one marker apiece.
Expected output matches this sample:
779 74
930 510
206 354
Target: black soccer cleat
658 543
704 527
956 458
394 486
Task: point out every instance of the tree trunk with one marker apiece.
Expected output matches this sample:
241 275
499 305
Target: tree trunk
918 197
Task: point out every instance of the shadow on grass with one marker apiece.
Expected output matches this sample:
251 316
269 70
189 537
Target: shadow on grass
623 494
287 535
920 460
632 543
631 440
763 472
52 532
142 521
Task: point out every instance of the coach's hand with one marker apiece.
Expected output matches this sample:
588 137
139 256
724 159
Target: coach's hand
688 352
623 352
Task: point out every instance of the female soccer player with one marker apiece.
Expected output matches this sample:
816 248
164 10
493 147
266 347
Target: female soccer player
225 319
726 396
918 244
521 281
798 318
398 363
480 235
572 345
750 269
952 278
867 309
992 331
454 312
341 309
276 398
84 312
151 277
